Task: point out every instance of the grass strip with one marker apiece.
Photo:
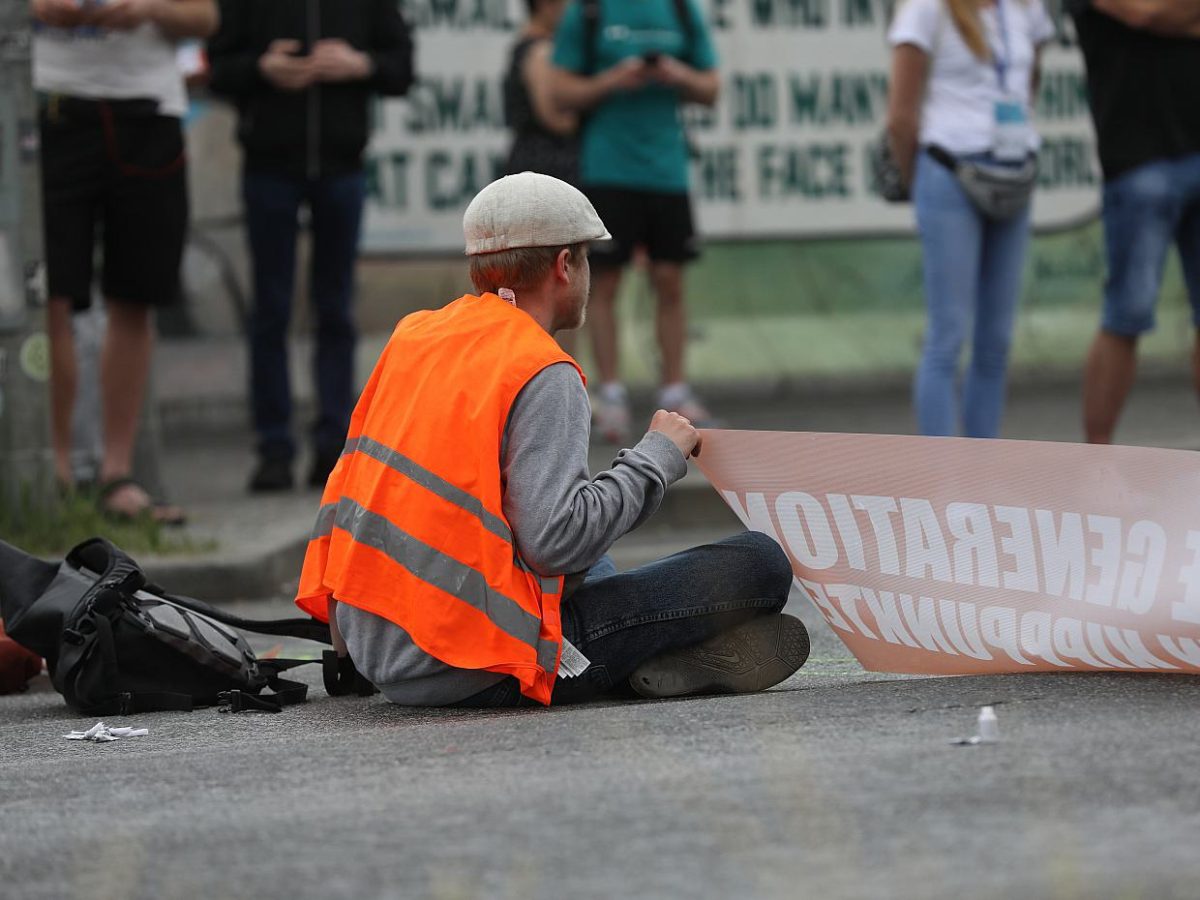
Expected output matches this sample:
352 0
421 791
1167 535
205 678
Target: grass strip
52 528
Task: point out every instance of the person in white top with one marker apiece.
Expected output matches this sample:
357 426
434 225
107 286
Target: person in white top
111 96
964 74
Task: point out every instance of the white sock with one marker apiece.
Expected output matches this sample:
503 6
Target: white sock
613 392
671 396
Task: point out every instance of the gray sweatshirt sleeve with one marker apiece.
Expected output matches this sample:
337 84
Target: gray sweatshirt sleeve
564 520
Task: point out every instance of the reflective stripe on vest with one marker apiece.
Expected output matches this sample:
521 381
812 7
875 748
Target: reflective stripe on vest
396 460
436 568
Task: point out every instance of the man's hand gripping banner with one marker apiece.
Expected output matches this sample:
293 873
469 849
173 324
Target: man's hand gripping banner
954 556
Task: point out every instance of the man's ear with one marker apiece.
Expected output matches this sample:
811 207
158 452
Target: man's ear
564 265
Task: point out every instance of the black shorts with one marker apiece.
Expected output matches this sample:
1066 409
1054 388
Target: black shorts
660 222
113 171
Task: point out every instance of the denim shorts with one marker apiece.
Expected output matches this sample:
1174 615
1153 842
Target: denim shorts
1146 210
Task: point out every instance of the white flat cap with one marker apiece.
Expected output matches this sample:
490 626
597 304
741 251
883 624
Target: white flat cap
530 210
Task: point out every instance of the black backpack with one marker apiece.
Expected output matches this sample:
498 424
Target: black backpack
115 644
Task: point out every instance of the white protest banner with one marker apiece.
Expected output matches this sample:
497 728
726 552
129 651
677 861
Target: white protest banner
784 153
955 556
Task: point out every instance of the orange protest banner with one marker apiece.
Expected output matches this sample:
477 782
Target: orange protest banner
955 556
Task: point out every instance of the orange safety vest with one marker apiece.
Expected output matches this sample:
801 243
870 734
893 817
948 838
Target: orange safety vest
411 525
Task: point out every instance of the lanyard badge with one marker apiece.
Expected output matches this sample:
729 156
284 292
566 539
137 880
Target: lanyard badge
1010 126
1010 135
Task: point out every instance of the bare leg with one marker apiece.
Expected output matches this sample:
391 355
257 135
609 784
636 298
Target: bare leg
64 379
1108 376
602 320
124 371
670 318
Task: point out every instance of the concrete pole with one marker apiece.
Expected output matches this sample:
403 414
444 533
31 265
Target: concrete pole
25 458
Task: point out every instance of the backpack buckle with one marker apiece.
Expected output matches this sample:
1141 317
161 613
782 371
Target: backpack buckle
342 678
240 701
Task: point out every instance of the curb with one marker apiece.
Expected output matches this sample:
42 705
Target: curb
231 576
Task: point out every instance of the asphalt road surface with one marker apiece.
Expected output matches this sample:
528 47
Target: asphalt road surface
839 783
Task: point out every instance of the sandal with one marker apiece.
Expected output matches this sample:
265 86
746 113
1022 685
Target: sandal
155 510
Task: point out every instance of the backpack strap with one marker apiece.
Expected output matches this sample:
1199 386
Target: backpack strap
115 568
591 32
683 13
284 692
591 36
305 629
342 678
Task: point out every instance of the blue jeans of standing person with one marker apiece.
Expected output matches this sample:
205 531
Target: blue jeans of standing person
621 620
973 271
335 204
1145 211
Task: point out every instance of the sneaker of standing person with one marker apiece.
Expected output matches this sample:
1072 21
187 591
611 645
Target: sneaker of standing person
753 656
273 474
680 398
610 413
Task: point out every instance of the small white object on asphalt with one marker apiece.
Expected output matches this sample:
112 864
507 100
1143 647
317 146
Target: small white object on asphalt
989 727
102 734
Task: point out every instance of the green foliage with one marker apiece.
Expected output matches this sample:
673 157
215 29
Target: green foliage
50 529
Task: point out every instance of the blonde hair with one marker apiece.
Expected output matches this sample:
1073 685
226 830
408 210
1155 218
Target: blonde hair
965 14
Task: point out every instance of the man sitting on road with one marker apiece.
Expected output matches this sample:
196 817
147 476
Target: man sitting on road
460 546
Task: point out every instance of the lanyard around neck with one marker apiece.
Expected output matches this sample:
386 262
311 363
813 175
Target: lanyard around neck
1001 63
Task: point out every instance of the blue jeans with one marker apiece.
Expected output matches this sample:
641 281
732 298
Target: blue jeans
272 206
973 268
621 620
1146 210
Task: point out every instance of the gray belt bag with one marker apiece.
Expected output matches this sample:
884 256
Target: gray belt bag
999 192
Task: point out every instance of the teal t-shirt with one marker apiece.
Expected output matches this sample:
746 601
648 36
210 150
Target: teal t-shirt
635 139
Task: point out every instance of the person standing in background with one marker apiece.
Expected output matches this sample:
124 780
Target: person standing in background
302 73
1143 70
629 66
111 98
545 138
964 73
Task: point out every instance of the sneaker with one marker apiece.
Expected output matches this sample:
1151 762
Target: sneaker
610 416
753 656
683 400
273 474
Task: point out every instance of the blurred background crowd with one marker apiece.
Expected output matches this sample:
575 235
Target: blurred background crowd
289 174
